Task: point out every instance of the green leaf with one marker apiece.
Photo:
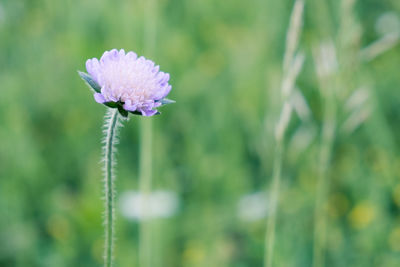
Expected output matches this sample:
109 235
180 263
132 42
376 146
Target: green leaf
89 81
166 101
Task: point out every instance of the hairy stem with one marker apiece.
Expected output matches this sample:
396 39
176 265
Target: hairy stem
110 131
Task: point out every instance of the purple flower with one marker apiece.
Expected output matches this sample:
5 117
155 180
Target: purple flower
127 82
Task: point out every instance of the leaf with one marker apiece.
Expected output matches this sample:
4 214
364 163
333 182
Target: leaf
166 101
89 81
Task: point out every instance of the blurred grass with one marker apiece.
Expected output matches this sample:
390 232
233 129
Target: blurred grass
212 147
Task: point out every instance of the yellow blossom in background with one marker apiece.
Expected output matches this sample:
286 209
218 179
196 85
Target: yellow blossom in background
362 215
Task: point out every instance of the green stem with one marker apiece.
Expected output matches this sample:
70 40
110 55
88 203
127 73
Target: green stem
145 228
273 205
110 138
145 188
320 223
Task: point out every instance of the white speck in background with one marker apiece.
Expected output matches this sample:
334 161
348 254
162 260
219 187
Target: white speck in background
387 23
161 204
253 207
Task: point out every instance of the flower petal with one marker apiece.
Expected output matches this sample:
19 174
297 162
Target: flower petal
131 56
163 92
109 56
99 98
148 112
93 68
129 106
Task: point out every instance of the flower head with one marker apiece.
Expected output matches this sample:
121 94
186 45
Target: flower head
127 82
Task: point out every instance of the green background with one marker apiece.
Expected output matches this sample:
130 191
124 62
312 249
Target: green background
212 147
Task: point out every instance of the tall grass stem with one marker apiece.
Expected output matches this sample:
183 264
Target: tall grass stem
320 230
146 136
325 61
273 202
292 65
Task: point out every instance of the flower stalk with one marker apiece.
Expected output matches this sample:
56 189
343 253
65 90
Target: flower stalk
110 140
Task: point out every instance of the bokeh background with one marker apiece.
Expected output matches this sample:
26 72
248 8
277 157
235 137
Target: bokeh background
212 150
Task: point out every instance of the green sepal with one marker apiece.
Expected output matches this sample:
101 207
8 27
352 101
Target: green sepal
111 104
136 112
122 111
166 101
89 81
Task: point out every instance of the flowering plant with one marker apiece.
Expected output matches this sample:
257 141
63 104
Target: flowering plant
125 83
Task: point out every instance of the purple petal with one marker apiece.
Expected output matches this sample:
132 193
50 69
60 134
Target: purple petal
156 69
129 106
148 112
165 78
99 98
156 104
150 64
113 98
163 92
141 60
160 76
122 53
93 67
131 56
108 95
109 56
